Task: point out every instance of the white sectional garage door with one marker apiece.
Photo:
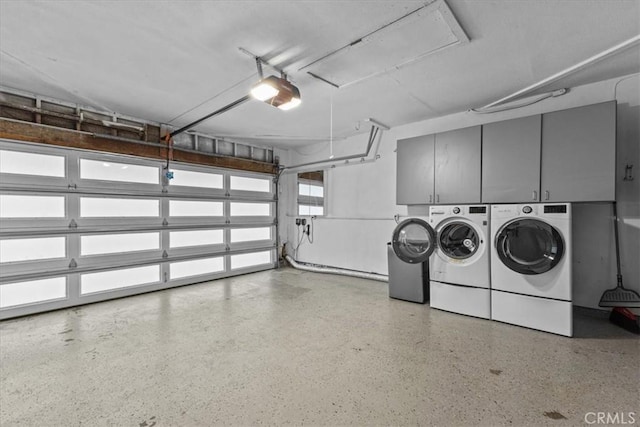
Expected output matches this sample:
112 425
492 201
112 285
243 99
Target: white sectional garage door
79 226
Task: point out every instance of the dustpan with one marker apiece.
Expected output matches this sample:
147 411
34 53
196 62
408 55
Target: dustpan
619 296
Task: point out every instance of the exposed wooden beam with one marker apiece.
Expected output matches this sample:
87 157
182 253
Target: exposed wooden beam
31 132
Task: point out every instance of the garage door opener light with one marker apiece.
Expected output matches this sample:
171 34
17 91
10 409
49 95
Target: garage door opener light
277 91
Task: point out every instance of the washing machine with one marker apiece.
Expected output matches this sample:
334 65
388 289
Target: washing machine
413 242
531 266
459 269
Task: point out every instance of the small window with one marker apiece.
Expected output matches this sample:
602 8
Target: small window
121 172
20 163
15 250
250 184
13 294
311 193
196 179
31 206
250 259
250 234
250 209
118 243
196 267
118 279
96 207
182 239
195 208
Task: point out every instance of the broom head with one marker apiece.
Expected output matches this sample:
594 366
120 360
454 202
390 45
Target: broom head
620 297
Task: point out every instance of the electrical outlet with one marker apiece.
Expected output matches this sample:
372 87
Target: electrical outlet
303 221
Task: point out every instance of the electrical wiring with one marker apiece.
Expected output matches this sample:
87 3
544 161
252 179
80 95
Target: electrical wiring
300 240
169 143
310 231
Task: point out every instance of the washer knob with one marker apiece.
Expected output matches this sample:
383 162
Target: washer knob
456 210
526 209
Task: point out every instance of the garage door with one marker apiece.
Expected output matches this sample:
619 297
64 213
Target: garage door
79 226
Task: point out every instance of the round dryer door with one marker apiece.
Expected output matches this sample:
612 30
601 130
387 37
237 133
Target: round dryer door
529 246
414 240
458 240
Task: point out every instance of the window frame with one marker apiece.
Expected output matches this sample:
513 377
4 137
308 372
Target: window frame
311 201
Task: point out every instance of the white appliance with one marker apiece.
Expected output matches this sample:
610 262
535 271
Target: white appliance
531 266
459 269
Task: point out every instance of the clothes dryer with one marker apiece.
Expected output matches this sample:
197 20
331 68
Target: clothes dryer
459 269
531 266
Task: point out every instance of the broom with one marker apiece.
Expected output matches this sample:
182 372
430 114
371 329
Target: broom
619 296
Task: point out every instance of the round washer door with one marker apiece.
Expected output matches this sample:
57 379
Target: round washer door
529 246
414 240
458 240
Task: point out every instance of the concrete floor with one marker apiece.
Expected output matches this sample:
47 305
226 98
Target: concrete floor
290 347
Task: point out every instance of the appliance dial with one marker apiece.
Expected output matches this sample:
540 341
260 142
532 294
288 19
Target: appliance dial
456 210
526 209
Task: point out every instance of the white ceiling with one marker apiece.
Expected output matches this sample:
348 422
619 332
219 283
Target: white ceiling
176 61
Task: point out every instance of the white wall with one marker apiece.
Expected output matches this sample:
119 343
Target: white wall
361 196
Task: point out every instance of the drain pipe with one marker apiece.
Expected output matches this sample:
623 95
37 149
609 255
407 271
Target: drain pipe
339 271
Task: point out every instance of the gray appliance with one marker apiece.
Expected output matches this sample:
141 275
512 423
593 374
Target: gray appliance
413 242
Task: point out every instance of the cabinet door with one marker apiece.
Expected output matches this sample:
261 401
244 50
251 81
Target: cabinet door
414 170
458 166
579 154
511 160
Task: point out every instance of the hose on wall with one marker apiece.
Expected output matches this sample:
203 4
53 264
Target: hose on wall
339 271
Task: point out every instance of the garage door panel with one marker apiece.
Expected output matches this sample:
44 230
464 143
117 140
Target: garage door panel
106 226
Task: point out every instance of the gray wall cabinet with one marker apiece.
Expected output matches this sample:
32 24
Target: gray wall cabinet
440 168
579 154
415 170
511 160
457 166
562 156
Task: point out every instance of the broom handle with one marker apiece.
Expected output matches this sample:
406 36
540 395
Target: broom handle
617 242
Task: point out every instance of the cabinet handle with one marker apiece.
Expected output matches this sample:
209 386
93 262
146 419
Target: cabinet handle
534 197
437 198
546 194
430 198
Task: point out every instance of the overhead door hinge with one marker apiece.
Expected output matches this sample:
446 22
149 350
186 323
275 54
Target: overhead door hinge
73 263
73 224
